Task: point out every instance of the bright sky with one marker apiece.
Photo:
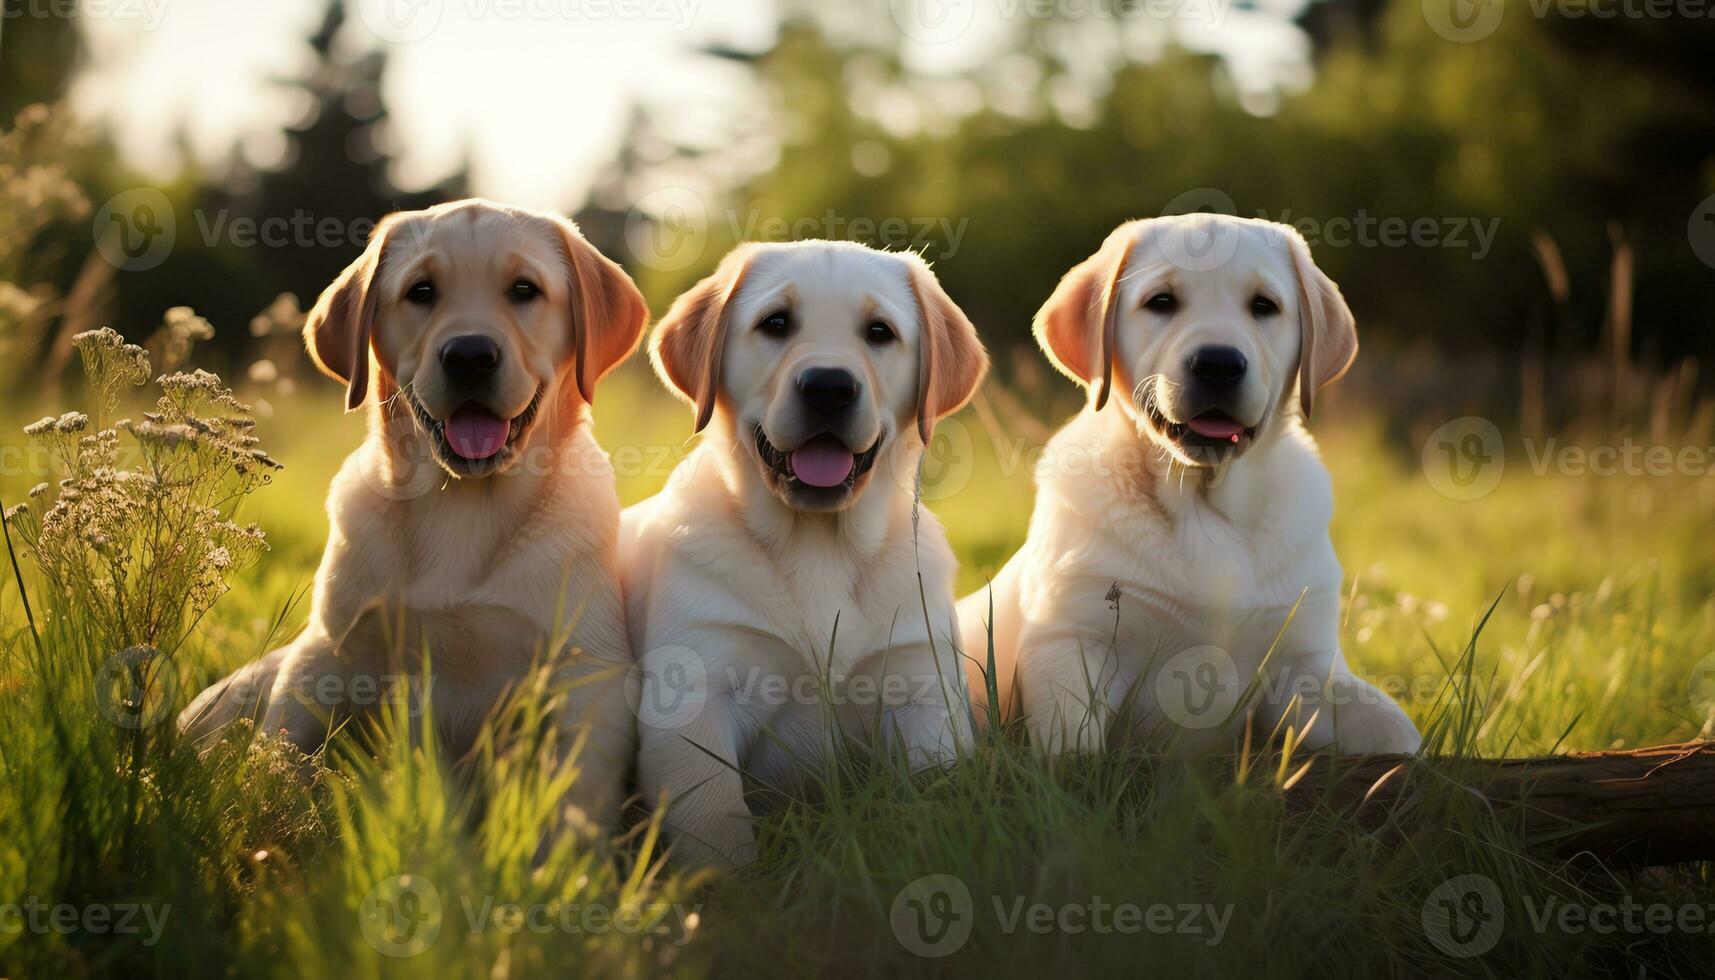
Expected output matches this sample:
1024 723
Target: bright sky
535 91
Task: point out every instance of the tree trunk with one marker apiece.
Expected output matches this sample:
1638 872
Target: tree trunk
1642 806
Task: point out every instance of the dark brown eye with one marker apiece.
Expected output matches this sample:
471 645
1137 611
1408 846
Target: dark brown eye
879 333
1263 306
1161 303
421 293
524 291
776 324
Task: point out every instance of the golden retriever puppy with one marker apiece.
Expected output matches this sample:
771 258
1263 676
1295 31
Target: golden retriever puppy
1179 549
478 522
776 589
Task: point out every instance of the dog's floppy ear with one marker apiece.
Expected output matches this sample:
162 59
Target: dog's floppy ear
337 329
952 362
608 312
1328 331
686 347
1076 327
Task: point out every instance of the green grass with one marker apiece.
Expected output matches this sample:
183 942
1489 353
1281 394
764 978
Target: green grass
270 866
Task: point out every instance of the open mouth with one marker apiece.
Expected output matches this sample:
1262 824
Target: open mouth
821 463
1213 429
473 440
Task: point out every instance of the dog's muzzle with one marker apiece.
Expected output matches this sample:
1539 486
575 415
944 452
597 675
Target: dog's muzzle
473 440
822 462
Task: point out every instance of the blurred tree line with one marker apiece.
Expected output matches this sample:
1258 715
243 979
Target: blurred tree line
1582 145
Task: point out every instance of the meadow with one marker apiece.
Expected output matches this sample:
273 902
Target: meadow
1561 610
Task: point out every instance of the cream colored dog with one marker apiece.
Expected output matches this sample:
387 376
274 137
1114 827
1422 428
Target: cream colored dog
776 590
478 521
1179 549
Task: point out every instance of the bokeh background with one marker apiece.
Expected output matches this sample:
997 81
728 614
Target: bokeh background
1506 190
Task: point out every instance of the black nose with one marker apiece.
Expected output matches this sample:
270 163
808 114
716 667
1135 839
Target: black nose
828 390
470 358
1217 365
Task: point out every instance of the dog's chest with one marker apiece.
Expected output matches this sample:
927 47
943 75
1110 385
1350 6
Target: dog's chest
449 553
833 613
1157 578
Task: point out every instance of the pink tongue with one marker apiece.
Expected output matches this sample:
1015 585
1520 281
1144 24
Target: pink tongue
1216 428
822 463
475 433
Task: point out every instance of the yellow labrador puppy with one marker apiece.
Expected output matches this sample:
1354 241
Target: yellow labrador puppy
773 589
479 520
1179 547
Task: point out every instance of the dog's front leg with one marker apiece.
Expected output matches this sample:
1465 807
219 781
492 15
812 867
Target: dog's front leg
1349 712
1067 679
600 714
924 710
1366 721
309 695
930 734
243 693
689 757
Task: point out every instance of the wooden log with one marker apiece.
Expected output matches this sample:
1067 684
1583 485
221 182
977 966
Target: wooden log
1640 806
